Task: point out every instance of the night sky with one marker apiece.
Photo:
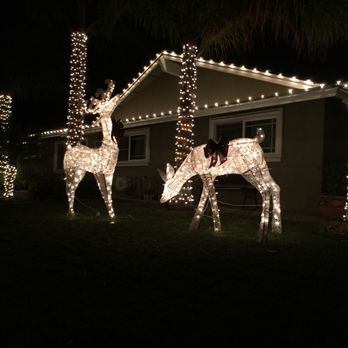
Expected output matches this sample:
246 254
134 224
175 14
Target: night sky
35 50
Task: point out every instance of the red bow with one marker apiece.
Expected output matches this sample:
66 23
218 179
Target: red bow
216 150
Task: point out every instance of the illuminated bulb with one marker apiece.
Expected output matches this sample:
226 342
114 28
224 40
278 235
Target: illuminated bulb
290 90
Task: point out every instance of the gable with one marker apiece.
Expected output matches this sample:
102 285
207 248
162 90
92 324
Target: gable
156 90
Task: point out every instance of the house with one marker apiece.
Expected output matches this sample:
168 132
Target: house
305 123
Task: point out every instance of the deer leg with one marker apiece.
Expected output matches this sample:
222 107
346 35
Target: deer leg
108 197
256 179
208 181
73 178
274 193
266 198
276 218
99 178
200 208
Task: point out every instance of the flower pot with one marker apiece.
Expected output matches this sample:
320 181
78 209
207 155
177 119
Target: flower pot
332 207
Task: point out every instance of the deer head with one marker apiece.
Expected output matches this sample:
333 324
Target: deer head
171 187
99 103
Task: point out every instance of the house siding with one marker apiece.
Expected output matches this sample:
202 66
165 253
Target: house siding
299 173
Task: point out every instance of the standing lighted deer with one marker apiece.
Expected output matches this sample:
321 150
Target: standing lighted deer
242 156
100 161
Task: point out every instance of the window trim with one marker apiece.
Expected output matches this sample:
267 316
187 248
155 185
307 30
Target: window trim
137 162
55 157
276 114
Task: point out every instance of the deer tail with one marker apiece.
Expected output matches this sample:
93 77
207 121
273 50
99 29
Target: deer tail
260 135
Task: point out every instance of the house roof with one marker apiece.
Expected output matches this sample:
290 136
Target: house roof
165 62
170 63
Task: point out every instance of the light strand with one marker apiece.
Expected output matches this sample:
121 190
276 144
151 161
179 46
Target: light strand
10 171
184 138
77 88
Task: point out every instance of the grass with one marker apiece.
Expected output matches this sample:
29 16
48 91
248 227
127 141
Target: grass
147 280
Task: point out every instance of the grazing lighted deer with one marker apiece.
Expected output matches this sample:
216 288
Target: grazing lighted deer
240 156
100 161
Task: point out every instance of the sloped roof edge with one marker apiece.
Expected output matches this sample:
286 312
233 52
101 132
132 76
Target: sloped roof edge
204 111
266 76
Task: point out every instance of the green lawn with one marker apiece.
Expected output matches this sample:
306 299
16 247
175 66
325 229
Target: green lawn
147 280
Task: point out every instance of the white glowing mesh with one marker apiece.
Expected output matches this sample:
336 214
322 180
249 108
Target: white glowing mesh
100 161
245 157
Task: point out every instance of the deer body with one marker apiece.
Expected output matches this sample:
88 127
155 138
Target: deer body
100 161
244 157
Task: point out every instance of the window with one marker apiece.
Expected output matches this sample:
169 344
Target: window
134 148
59 151
240 126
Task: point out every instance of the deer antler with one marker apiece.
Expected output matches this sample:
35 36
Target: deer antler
110 88
101 96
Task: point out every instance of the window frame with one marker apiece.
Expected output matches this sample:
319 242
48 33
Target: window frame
137 162
276 114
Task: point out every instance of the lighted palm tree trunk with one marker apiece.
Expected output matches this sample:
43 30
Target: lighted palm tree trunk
345 214
77 86
8 170
187 105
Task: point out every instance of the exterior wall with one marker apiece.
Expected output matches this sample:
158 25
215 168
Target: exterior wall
159 95
214 86
335 148
299 173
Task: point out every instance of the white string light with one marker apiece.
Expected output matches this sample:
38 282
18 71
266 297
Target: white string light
184 128
10 171
345 213
77 88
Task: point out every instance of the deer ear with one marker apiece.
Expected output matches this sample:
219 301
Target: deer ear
162 174
169 171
